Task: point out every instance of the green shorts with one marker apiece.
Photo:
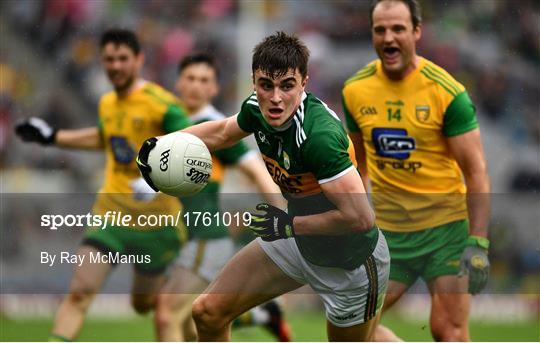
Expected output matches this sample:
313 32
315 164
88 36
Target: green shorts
155 248
428 253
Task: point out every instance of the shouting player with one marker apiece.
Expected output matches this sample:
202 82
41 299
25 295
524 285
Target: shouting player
416 126
135 110
327 239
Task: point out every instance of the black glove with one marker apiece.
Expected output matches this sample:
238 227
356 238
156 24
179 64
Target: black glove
142 161
36 130
475 263
273 224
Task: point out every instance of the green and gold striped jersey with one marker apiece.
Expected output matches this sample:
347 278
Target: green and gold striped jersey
124 124
312 148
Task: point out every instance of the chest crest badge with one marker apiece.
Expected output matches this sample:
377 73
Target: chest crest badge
422 113
286 161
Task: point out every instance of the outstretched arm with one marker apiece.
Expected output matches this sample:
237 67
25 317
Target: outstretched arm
87 138
38 130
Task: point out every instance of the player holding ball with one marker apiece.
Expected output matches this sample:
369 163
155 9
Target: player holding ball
327 238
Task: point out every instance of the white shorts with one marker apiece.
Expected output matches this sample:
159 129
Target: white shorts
350 297
206 258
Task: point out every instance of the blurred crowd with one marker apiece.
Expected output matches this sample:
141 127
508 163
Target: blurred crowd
472 40
492 47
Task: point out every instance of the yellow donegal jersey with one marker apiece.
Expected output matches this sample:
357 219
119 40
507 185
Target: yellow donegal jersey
416 183
125 123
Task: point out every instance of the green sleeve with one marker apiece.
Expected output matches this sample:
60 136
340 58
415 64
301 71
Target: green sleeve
245 118
352 126
460 116
232 154
100 126
326 155
100 129
175 119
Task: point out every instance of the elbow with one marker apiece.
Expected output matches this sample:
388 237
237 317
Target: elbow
361 221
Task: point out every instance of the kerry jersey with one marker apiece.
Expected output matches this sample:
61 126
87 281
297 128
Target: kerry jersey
311 149
207 201
125 123
416 182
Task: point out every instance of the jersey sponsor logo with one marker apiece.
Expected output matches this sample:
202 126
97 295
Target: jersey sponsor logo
301 184
197 176
164 160
422 113
411 166
122 151
368 110
394 143
198 163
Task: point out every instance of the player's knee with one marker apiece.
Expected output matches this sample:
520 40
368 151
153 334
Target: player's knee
207 315
81 297
448 331
383 334
143 304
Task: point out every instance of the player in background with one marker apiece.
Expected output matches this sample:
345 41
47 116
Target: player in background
135 110
210 247
327 239
416 127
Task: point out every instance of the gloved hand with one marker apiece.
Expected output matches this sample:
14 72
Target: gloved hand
141 190
475 263
36 130
273 224
142 161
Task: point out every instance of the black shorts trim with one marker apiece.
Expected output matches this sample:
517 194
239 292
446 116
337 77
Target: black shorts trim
373 288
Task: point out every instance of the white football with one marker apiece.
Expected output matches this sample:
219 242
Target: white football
181 164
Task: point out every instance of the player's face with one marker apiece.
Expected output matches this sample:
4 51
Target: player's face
394 38
280 97
121 64
197 86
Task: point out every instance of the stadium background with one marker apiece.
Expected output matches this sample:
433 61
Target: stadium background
49 67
